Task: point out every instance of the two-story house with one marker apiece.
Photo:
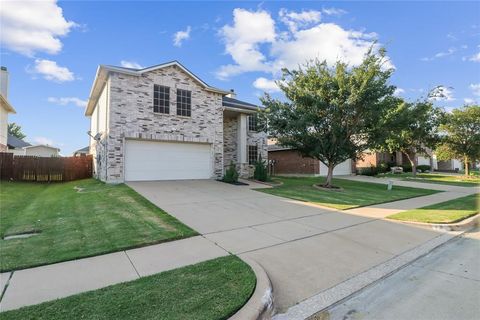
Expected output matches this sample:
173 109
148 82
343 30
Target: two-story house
165 123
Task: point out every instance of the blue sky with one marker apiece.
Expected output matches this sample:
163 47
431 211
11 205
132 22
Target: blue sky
52 49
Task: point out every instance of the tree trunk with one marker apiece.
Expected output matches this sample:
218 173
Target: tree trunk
413 160
467 169
328 183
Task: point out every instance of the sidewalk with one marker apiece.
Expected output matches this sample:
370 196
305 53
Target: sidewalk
413 184
36 285
383 210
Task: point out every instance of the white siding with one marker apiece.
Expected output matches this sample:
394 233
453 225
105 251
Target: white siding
3 126
423 161
41 151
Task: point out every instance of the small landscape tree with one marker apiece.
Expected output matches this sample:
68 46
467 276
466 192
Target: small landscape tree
413 128
331 113
261 172
461 136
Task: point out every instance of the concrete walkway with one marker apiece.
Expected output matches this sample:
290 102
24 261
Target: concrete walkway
36 285
303 248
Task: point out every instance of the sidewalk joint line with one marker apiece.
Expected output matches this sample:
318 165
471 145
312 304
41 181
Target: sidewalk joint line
6 286
131 262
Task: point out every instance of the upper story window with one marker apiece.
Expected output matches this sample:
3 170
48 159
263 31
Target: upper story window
252 122
161 99
184 103
252 155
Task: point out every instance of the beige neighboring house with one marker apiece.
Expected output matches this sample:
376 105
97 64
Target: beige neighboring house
41 150
165 123
81 152
5 109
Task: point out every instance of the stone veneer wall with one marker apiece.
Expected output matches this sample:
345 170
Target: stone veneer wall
131 116
229 141
259 139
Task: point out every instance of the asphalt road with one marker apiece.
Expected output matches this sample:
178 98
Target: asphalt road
445 284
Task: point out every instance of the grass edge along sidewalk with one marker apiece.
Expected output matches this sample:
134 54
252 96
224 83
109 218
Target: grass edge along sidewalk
451 211
78 219
354 194
213 289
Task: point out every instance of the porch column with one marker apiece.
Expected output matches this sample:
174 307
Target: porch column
242 122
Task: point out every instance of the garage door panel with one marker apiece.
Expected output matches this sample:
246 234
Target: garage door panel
153 160
344 168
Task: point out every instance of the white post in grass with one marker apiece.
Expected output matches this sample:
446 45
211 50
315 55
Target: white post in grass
390 185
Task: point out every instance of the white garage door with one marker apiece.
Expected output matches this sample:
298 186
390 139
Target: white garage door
344 168
153 160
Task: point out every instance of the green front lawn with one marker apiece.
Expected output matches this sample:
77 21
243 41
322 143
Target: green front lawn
455 180
98 219
354 194
213 289
445 212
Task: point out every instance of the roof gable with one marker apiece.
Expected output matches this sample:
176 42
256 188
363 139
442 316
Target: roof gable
104 70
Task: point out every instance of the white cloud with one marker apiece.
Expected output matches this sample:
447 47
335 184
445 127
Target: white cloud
63 101
399 92
255 44
441 93
441 54
44 140
33 26
181 36
475 87
333 11
131 64
266 85
242 40
469 101
326 41
50 70
475 57
295 20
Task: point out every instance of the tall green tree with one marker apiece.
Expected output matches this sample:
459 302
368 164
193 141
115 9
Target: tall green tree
331 113
15 130
413 129
461 138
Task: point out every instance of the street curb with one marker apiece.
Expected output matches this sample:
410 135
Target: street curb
260 305
315 305
463 225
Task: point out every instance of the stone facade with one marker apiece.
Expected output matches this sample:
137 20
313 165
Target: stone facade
126 112
131 116
230 152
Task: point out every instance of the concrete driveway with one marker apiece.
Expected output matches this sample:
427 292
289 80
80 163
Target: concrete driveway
303 248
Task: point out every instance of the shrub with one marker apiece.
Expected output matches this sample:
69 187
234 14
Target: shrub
367 171
231 175
407 168
382 167
260 173
423 168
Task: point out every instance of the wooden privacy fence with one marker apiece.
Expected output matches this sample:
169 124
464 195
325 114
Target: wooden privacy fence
44 169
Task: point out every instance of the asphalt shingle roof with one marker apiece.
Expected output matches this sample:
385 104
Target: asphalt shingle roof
15 142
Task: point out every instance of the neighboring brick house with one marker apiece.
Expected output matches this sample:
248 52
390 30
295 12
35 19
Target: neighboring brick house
373 159
164 123
287 161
